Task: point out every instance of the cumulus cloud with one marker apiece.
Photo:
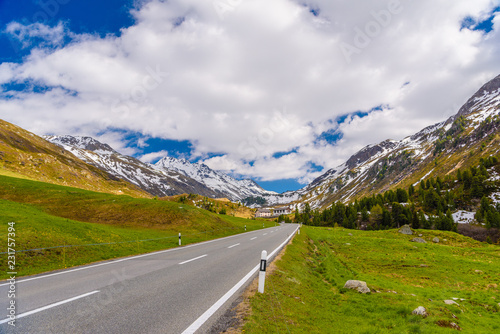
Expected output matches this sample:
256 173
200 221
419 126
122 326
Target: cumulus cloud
251 79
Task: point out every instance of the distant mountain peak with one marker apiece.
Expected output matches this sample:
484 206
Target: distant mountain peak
232 188
82 142
488 91
169 176
435 149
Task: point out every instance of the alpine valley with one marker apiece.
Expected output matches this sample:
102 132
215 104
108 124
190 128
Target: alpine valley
438 150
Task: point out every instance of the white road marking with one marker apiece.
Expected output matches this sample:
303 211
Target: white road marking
265 234
234 245
22 315
208 313
196 258
253 238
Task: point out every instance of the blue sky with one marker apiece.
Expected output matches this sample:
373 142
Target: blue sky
256 89
91 16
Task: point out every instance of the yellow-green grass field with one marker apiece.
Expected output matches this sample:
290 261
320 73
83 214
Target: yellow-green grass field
96 226
306 293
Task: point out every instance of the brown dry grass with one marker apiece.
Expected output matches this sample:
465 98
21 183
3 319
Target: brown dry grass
25 155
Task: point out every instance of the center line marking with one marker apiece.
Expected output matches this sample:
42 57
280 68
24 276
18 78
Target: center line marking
253 238
265 233
233 245
218 304
22 315
196 258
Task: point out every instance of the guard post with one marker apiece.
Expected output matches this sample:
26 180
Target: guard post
262 272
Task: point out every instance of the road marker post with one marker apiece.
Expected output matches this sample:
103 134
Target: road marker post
245 228
262 273
179 238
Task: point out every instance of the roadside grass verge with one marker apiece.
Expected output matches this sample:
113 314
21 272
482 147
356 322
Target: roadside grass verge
93 226
306 294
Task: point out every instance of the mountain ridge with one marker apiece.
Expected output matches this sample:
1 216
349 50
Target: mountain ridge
24 154
169 176
378 167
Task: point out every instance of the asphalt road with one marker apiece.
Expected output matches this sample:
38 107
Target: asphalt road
173 291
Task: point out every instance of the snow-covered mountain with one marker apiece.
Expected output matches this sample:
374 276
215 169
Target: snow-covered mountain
215 180
439 149
168 177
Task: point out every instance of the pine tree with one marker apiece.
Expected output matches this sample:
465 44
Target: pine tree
450 223
477 188
402 195
415 223
411 190
439 183
364 215
386 218
423 221
467 179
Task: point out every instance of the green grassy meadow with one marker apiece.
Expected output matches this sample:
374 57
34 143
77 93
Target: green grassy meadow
48 216
306 295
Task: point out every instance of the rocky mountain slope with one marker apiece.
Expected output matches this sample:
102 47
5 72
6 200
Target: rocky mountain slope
23 154
215 180
437 150
168 177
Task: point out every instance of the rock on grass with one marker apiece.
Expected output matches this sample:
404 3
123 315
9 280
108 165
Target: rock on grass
419 240
420 311
406 230
359 286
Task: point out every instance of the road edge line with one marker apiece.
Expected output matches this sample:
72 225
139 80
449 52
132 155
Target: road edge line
218 304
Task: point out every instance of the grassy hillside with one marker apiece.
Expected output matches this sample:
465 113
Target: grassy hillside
306 295
437 153
220 205
50 216
25 154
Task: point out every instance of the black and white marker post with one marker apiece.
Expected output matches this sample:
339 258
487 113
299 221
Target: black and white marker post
179 239
262 273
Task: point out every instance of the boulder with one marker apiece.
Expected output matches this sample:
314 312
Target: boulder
435 240
359 286
419 240
450 302
420 311
406 230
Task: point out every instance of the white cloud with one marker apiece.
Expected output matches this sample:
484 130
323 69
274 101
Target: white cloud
262 77
26 34
153 157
